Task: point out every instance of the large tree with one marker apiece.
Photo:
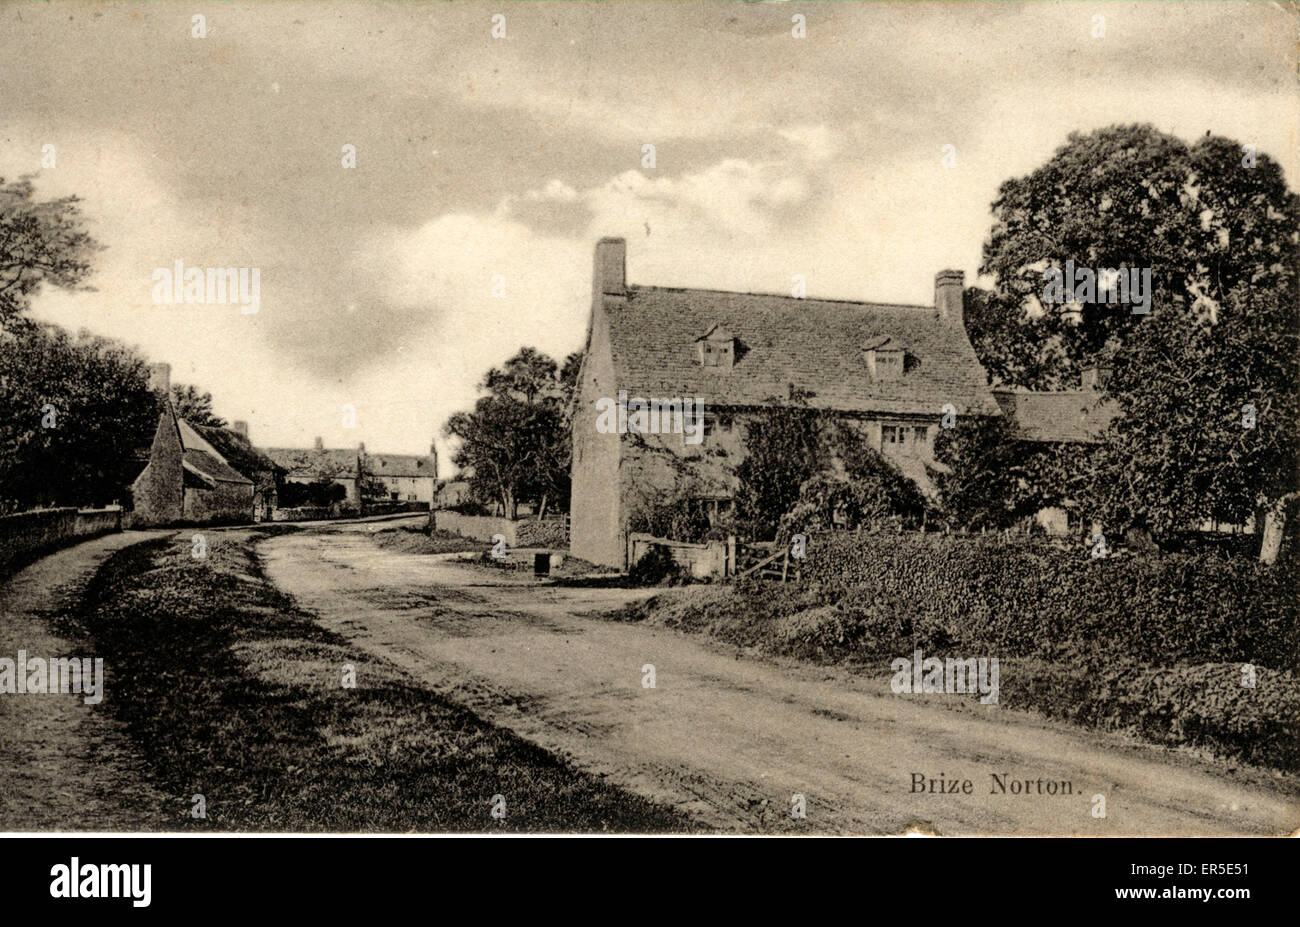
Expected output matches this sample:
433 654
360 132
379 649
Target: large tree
41 241
74 412
517 442
195 406
1216 227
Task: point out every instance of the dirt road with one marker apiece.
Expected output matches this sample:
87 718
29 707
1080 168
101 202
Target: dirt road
732 741
66 765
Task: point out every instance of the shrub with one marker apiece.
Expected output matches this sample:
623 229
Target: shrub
655 566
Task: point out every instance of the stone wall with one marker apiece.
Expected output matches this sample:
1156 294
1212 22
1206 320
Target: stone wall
28 533
224 502
478 527
703 561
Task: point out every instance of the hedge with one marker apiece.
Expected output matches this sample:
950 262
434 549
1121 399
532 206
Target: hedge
1028 598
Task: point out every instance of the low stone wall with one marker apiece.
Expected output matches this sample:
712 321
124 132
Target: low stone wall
526 532
704 561
98 521
478 527
28 533
311 513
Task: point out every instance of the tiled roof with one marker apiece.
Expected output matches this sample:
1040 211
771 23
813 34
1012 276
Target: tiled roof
1065 417
816 345
204 460
310 463
242 456
399 465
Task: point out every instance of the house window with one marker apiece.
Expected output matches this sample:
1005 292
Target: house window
716 348
891 434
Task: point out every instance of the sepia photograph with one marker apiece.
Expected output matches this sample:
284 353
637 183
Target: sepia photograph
676 419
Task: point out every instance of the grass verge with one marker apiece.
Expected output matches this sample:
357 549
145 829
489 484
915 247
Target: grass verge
410 540
231 692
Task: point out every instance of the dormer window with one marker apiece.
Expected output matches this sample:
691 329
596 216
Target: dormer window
716 348
884 358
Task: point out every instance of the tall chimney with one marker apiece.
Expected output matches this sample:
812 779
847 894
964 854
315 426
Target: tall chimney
160 378
433 458
948 285
1095 376
610 272
320 444
241 429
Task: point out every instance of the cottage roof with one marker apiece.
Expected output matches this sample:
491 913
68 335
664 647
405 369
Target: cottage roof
812 344
399 465
312 463
236 450
1078 416
202 459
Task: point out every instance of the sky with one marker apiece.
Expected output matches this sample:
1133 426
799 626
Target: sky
487 162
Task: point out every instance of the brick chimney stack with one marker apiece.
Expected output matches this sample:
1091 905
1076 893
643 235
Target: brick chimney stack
320 444
610 271
948 286
160 378
241 429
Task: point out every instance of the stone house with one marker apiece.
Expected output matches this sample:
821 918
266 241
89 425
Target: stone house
453 492
401 477
405 477
235 447
893 371
187 480
1060 417
339 465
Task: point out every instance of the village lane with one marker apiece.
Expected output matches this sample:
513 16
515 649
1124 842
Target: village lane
732 739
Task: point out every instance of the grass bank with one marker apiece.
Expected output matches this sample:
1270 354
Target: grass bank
411 540
231 692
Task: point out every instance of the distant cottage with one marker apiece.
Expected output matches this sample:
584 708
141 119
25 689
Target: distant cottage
187 480
892 370
396 477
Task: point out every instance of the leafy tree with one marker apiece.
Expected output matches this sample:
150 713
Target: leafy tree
1217 228
785 446
40 242
1210 418
74 414
195 406
992 479
320 493
517 441
569 377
